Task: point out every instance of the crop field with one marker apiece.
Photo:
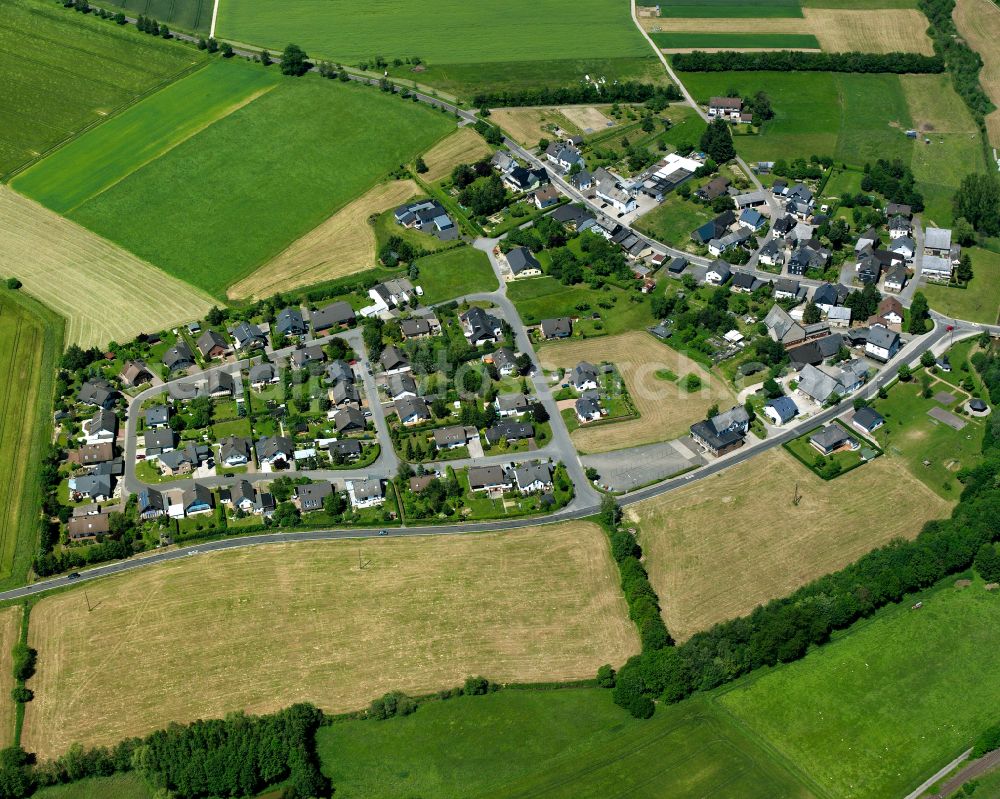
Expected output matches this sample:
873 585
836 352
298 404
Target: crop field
57 75
267 189
342 245
978 21
727 9
528 125
570 744
882 708
349 620
833 29
10 633
191 15
120 786
88 280
464 146
106 155
665 409
449 32
31 339
710 558
980 302
681 42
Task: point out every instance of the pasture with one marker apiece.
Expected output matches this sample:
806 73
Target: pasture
464 146
10 634
571 743
980 302
342 245
884 706
94 163
30 342
710 557
279 167
978 21
191 15
335 623
56 77
449 32
104 293
665 409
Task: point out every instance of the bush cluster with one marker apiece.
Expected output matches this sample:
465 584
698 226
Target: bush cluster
794 61
627 92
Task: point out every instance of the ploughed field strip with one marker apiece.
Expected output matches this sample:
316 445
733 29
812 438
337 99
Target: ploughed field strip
63 72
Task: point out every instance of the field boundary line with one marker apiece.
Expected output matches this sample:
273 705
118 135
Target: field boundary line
228 111
215 17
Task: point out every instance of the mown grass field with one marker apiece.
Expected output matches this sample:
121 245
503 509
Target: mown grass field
572 743
227 200
342 245
95 162
980 302
540 298
103 292
64 71
665 409
883 707
31 338
120 786
686 40
447 32
673 220
717 549
191 15
453 273
336 623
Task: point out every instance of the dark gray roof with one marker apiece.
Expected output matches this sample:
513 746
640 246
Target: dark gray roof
520 259
336 313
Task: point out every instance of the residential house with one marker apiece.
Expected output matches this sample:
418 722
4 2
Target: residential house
729 108
103 426
715 229
800 201
868 240
867 420
344 393
290 322
718 273
502 161
481 327
903 246
752 220
582 181
177 462
412 410
92 454
781 410
520 179
158 416
677 265
149 503
522 263
574 217
564 156
336 314
753 199
366 493
492 479
724 432
348 449
821 384
454 437
737 238
95 487
561 327
611 189
157 442
588 407
234 451
890 312
400 386
937 242
309 497
895 279
97 392
882 343
508 405
135 373
545 197
533 477
584 376
831 438
88 525
274 452
248 336
419 327
197 500
772 254
178 356
839 316
303 357
828 295
428 216
805 257
937 268
394 361
505 361
900 227
263 374
744 283
509 430
716 187
784 225
782 328
869 269
349 420
786 289
898 209
211 344
339 370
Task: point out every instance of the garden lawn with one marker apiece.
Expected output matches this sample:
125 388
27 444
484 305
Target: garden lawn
446 32
58 75
93 163
673 220
571 743
884 706
221 203
453 273
540 298
980 302
735 41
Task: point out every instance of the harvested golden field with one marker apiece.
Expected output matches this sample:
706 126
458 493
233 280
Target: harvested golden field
105 293
10 632
718 548
884 30
528 125
586 117
666 410
342 245
263 627
464 146
978 21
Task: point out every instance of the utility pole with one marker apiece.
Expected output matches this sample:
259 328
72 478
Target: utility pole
89 608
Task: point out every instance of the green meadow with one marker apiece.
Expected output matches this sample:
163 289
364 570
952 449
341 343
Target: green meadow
191 15
118 786
883 707
572 743
225 200
57 77
455 272
92 163
735 41
980 302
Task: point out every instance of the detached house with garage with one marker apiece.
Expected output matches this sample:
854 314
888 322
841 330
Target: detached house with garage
522 263
611 189
722 433
728 108
882 343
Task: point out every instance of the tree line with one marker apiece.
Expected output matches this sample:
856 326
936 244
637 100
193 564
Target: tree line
784 629
963 62
794 61
627 92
